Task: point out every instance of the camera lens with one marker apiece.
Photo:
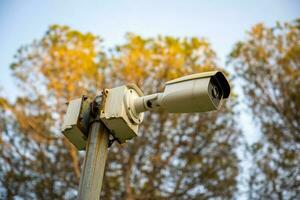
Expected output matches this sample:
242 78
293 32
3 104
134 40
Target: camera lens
216 92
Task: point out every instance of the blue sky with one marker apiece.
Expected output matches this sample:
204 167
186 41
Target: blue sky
222 22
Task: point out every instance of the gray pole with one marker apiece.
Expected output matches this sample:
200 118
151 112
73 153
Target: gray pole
94 163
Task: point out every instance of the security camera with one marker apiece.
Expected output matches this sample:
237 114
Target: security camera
200 92
124 106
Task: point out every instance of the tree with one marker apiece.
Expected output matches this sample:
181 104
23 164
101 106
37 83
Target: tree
268 68
177 156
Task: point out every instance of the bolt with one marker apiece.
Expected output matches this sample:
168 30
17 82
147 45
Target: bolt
84 97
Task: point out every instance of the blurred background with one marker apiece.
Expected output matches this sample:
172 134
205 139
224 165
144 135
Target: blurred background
53 51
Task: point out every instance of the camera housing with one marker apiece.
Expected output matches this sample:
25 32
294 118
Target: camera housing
200 92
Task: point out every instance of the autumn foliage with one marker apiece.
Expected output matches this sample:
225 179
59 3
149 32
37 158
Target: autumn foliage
268 67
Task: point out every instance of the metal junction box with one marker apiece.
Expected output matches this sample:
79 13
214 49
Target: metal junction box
76 122
117 115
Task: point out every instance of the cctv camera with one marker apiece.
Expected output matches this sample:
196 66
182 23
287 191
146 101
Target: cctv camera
124 106
200 92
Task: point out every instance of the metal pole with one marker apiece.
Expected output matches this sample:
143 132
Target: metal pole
94 163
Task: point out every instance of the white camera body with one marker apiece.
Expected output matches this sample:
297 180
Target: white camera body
200 92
